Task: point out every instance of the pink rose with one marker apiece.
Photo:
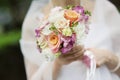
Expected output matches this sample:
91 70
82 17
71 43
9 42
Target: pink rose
54 42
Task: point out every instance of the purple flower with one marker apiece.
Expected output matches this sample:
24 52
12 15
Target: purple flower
66 49
73 38
37 31
87 29
65 40
81 19
86 17
79 9
68 43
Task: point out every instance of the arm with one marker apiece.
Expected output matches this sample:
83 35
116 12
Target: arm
113 62
56 70
106 57
112 20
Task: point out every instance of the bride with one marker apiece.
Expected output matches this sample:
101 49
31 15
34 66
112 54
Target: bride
101 39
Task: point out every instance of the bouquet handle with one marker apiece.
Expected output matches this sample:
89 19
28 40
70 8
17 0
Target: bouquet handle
90 62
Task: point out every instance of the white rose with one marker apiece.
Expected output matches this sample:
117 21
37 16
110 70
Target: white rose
47 54
80 32
56 10
62 23
46 30
52 18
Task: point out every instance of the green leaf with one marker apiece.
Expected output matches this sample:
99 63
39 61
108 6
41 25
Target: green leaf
69 7
88 12
74 24
53 28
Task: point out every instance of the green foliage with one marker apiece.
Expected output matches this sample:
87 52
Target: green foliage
74 24
87 12
53 28
69 7
9 38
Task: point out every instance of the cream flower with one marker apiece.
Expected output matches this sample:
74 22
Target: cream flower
62 23
56 17
67 31
55 10
80 32
46 30
42 41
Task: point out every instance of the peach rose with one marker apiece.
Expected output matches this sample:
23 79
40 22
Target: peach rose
71 15
54 42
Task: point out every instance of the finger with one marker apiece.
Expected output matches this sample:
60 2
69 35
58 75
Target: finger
73 54
72 60
97 65
77 55
100 63
75 50
92 49
75 59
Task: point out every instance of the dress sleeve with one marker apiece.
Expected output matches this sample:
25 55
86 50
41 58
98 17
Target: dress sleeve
28 40
109 15
34 61
112 19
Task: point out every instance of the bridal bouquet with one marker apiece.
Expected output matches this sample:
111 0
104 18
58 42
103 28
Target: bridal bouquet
62 30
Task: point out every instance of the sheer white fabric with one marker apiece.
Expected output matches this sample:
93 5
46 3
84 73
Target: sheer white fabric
104 32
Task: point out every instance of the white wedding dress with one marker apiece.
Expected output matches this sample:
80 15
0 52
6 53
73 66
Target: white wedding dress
104 33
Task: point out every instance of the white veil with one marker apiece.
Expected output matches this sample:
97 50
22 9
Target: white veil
111 17
28 42
36 5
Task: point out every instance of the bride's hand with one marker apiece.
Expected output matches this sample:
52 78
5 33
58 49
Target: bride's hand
102 56
108 58
75 54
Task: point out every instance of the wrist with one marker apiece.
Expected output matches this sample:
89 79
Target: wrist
57 63
112 61
56 69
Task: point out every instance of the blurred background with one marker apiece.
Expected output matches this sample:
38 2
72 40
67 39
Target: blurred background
12 13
